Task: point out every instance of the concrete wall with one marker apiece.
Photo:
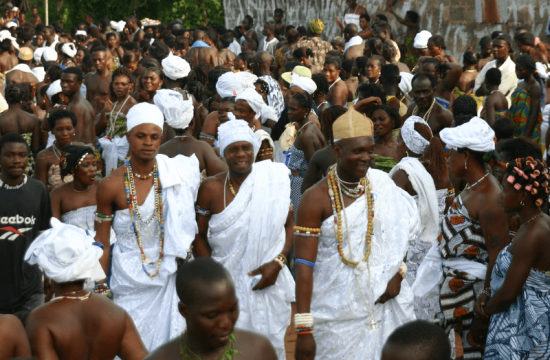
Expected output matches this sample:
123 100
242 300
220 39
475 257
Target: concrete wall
461 22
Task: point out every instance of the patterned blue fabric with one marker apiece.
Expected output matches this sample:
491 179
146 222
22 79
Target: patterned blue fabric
445 103
523 331
297 164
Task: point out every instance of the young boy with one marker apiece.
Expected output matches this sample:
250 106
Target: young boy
496 105
279 23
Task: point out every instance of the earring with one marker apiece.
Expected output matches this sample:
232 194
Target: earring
521 203
465 165
406 152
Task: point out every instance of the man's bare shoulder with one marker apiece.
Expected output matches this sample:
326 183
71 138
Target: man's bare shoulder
168 351
9 324
253 346
112 182
213 183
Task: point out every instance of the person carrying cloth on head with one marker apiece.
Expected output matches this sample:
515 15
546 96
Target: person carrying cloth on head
249 231
350 252
314 42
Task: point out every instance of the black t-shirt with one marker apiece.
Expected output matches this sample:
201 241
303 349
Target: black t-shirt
279 127
24 212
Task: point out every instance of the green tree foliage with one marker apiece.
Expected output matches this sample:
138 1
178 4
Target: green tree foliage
193 13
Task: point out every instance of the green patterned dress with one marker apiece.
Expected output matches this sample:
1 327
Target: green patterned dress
29 171
519 112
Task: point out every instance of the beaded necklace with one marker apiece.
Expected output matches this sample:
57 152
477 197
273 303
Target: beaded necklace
228 352
64 296
427 114
113 120
135 214
468 187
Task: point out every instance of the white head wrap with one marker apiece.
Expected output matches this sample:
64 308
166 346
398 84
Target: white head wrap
268 113
233 84
121 25
81 32
254 100
54 88
49 54
236 130
175 67
69 49
475 135
144 113
231 116
303 83
5 34
414 141
66 253
11 24
39 73
421 39
38 54
177 112
262 135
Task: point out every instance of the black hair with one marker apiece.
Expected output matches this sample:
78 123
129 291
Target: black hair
464 105
361 63
203 270
213 77
421 338
376 45
252 44
249 19
110 35
14 93
469 58
279 11
91 15
333 61
431 60
328 117
270 25
292 35
525 38
392 112
302 30
381 59
226 40
74 70
322 83
438 40
246 56
196 89
371 90
5 45
389 73
504 128
57 115
520 147
347 65
365 16
105 23
425 75
462 119
528 63
382 17
413 16
485 41
159 51
12 138
302 52
384 26
122 71
87 62
129 57
71 156
149 63
130 46
389 52
229 99
493 76
290 65
84 49
304 100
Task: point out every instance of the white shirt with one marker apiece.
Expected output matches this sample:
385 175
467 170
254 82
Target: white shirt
508 82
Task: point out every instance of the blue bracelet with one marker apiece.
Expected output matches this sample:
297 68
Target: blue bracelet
305 262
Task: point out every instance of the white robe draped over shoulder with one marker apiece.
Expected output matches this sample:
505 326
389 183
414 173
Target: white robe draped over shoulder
249 233
341 316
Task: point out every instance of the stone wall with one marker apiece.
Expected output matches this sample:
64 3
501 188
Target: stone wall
461 22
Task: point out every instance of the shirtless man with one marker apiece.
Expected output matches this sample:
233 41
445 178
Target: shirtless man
94 328
71 80
97 83
227 57
132 30
7 61
338 91
352 14
202 54
35 19
425 106
354 42
22 73
206 291
247 31
13 339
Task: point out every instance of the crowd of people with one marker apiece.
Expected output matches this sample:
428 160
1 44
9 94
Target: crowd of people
212 193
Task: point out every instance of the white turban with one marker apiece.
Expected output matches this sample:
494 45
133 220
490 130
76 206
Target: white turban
262 135
233 131
66 253
177 112
144 113
254 100
38 54
475 135
414 141
5 34
233 84
421 39
81 32
54 88
49 54
303 83
11 24
121 25
268 113
175 67
39 73
69 49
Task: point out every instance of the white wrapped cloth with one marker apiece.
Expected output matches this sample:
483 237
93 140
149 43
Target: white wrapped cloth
233 131
81 32
254 100
113 150
262 135
475 135
421 39
175 67
412 138
66 253
356 40
268 113
178 113
5 34
233 84
49 54
39 72
249 233
37 56
303 82
405 85
144 113
54 89
69 49
11 24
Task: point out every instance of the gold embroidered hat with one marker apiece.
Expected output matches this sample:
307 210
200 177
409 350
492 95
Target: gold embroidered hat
352 124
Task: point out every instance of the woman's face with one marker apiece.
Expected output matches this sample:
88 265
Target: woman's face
64 131
261 91
85 173
213 105
331 73
39 40
112 42
132 66
151 81
122 86
456 163
79 56
223 109
243 111
373 69
238 64
524 49
521 72
383 123
510 198
295 112
401 149
434 49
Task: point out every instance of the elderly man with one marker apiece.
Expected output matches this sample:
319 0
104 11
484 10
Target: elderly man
149 202
70 258
350 251
249 230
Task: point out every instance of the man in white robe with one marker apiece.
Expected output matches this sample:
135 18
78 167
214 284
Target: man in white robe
349 299
143 282
245 222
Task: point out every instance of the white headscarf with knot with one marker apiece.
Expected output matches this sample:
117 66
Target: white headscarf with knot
178 113
144 113
175 67
69 49
66 253
421 39
54 89
412 138
49 54
254 100
233 84
38 54
262 135
303 83
475 135
233 131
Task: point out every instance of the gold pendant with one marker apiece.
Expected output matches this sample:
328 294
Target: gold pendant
373 324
